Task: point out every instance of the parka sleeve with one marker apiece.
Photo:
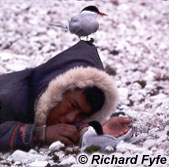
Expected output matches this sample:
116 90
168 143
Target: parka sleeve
16 135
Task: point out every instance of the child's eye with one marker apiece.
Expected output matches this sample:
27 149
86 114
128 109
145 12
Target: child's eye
72 105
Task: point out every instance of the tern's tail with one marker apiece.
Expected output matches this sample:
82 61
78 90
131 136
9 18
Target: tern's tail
60 26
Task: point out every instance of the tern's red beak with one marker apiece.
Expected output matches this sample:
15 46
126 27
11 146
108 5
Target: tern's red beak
102 14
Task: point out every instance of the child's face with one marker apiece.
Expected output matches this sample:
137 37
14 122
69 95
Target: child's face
73 108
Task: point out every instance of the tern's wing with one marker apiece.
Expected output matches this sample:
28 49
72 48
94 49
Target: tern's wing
74 24
102 141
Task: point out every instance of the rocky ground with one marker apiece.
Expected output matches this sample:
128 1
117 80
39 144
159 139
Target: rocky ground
134 46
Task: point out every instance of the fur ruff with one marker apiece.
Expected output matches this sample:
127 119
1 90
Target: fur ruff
77 77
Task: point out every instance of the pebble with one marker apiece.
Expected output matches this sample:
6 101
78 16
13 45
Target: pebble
17 163
38 164
123 95
56 146
26 157
5 56
69 160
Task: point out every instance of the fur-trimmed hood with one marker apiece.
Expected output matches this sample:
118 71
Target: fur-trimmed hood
78 75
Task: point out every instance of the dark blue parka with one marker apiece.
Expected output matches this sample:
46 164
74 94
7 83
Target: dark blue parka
26 97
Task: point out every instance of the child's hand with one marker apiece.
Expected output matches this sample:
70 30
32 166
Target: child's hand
66 133
116 126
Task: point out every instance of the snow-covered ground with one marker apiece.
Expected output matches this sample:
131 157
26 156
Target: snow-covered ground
134 46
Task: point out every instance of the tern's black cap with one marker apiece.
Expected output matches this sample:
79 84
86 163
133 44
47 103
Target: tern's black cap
97 127
91 8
